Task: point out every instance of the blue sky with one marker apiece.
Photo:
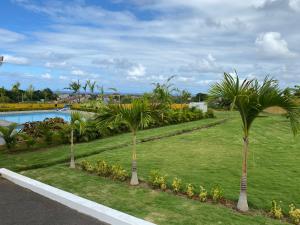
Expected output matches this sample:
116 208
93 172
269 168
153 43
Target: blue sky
129 44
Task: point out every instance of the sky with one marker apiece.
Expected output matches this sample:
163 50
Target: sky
130 44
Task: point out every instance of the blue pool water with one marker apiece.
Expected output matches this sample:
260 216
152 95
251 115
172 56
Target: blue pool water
21 118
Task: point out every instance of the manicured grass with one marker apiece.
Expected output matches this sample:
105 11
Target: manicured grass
213 156
59 154
158 207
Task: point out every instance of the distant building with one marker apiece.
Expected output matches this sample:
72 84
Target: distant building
199 105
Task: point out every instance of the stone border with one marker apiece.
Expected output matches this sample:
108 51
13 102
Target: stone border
82 205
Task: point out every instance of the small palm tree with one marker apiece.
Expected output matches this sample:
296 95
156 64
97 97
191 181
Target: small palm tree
250 98
75 87
9 134
77 123
136 117
30 92
16 90
91 86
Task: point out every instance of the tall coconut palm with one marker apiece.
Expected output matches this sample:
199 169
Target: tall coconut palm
250 98
136 117
77 123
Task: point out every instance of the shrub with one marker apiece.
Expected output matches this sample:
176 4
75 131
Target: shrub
103 169
29 141
118 173
9 134
157 180
154 178
176 185
216 194
294 214
87 166
202 194
209 114
276 211
190 190
163 182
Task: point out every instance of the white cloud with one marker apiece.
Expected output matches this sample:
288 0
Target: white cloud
136 72
46 76
56 64
78 72
7 36
15 60
295 5
273 45
63 78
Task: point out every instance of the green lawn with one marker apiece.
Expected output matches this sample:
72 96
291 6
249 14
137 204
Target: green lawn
213 156
203 157
59 154
158 207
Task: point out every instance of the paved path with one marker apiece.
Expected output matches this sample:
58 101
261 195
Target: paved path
19 206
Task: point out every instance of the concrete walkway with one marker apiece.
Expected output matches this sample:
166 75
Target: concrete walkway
19 206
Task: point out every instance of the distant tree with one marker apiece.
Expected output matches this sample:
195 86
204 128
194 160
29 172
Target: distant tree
75 87
29 92
85 86
101 92
16 91
92 86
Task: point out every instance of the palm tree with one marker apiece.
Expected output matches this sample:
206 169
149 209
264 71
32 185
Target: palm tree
136 117
91 86
16 89
30 91
85 86
75 87
250 98
77 123
101 92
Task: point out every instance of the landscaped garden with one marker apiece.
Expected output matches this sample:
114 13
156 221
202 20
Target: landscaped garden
175 171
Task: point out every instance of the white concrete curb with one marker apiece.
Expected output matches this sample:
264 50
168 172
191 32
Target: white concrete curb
75 202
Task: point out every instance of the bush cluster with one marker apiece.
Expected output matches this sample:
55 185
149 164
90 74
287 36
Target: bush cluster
159 181
277 212
102 168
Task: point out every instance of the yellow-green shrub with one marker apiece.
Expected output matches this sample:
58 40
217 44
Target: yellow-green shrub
103 169
190 190
202 194
176 185
276 210
157 180
118 173
294 214
87 166
216 194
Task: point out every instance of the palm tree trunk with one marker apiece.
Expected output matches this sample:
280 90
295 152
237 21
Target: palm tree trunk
72 162
134 176
243 203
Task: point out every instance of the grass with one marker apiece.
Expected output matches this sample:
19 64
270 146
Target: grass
59 154
203 157
213 156
158 207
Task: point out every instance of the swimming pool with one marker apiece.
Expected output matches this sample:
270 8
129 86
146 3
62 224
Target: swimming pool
24 117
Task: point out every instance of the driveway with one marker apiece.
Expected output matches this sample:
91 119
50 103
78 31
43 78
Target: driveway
19 206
